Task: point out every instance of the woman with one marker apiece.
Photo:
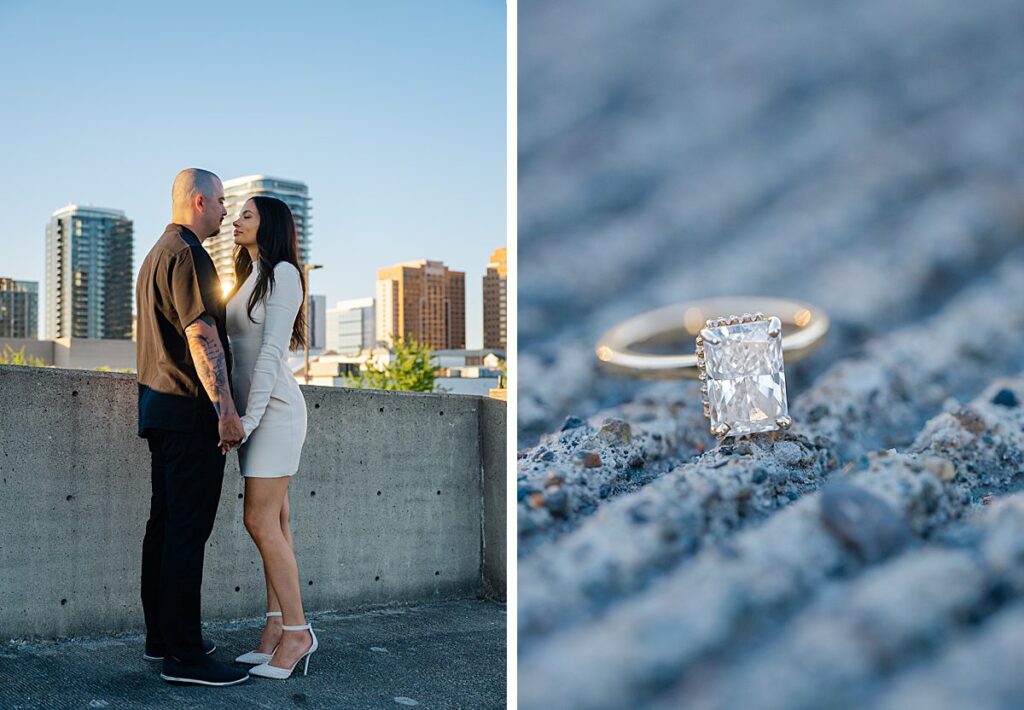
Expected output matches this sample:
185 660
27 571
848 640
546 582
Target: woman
264 320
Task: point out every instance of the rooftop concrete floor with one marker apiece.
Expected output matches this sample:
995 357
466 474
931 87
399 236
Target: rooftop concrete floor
447 654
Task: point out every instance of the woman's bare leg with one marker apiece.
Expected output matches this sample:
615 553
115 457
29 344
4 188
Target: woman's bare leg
265 501
272 631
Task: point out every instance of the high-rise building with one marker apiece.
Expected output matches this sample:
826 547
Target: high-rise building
89 274
494 300
423 301
317 315
19 308
236 192
351 327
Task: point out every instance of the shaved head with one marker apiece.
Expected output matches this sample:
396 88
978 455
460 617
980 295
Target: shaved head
197 202
191 182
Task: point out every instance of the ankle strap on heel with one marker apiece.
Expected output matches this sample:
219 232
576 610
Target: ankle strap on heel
272 613
302 627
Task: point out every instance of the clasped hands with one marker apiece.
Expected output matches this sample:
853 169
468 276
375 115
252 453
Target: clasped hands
229 427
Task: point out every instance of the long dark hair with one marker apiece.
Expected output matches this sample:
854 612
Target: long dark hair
277 241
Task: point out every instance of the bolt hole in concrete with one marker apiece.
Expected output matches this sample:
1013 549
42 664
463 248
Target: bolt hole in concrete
439 492
238 589
442 414
312 493
74 393
239 496
376 579
378 492
382 409
70 498
316 406
436 573
63 602
311 582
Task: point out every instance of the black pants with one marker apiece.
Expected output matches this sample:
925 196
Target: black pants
187 473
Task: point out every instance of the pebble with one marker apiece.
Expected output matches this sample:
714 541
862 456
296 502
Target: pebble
615 431
971 421
557 501
1005 398
789 453
572 423
943 468
863 521
553 479
589 459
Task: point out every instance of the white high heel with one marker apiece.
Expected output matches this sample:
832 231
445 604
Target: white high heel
255 657
268 671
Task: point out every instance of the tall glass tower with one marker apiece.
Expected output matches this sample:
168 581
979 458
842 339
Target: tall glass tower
89 279
19 308
236 192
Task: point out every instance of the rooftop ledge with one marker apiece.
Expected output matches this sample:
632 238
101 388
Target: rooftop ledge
400 499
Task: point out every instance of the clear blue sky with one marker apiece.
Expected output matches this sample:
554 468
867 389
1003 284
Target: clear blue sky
392 112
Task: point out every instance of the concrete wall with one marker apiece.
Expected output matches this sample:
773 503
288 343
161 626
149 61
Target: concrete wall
388 504
493 438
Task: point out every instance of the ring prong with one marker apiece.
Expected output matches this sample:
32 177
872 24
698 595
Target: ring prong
721 431
709 337
784 422
774 327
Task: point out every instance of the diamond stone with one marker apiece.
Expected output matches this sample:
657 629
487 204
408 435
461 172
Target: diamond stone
746 381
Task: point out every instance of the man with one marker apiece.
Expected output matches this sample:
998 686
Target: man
188 416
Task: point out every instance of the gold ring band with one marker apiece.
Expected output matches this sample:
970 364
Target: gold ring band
804 329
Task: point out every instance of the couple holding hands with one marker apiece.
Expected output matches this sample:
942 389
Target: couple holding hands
212 377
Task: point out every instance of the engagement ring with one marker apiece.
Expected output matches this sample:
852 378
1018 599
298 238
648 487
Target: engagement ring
738 358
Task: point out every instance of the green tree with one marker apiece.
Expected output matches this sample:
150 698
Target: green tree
409 370
503 380
10 356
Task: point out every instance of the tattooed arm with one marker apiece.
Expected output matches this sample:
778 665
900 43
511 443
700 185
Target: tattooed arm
211 366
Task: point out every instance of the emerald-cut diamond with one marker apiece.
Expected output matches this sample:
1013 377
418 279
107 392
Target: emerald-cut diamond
740 359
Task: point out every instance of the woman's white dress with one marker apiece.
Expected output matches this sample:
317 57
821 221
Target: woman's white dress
274 416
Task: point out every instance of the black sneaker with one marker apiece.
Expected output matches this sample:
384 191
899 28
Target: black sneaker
155 652
204 672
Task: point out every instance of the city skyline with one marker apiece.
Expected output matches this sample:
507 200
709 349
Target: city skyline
404 156
64 214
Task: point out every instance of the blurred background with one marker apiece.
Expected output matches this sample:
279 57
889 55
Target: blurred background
867 158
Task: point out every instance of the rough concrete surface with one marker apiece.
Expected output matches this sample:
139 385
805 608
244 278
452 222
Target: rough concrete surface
438 655
864 158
